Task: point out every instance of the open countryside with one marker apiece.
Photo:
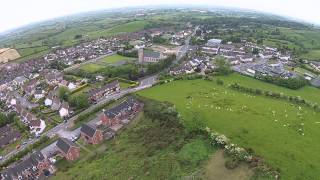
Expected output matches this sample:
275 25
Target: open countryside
181 92
269 126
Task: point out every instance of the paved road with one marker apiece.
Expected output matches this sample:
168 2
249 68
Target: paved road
62 129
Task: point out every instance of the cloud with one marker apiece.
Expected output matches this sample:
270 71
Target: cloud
15 13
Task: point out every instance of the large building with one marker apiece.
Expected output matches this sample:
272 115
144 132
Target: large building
147 56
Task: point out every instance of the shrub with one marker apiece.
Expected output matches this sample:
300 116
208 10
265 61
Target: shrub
232 163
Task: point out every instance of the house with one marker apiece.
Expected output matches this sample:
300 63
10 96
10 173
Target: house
30 87
37 126
49 100
91 134
63 83
110 88
64 110
35 166
68 149
246 58
71 86
56 103
316 82
53 77
20 80
213 42
39 94
121 113
150 56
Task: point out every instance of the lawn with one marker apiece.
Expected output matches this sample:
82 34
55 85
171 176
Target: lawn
115 58
312 55
269 126
91 68
124 85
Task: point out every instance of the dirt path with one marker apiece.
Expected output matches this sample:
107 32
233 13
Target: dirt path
216 170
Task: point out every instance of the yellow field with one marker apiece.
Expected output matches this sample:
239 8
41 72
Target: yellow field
7 54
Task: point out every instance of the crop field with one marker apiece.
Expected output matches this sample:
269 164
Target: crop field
284 134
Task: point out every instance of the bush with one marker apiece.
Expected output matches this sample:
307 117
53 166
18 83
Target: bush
220 82
232 163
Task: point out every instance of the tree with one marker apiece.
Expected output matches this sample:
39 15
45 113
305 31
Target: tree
63 93
222 66
80 101
255 51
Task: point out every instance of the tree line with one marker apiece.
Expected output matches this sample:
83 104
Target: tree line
276 95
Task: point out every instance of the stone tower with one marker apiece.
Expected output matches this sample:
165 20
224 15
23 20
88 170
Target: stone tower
141 55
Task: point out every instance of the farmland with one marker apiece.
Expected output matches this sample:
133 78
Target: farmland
269 126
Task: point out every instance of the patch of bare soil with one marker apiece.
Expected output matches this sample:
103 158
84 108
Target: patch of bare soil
216 170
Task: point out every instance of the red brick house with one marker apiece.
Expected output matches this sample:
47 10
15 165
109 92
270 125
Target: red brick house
124 111
110 88
32 167
91 134
68 149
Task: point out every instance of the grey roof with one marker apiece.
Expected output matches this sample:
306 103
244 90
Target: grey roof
88 129
64 144
124 106
28 164
316 82
110 85
152 54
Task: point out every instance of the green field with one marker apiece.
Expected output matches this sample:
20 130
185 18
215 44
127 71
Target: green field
91 68
94 67
115 58
269 126
312 55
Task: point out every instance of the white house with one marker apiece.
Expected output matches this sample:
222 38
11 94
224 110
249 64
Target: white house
39 94
71 86
37 126
64 110
48 101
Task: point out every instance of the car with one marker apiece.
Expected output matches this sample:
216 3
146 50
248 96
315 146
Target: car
1 157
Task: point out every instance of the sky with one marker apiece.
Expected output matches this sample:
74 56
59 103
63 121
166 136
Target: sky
16 13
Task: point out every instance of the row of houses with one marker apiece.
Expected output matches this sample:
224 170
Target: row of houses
111 121
34 166
108 89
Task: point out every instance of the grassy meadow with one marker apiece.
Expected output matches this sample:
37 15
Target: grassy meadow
143 150
109 60
269 126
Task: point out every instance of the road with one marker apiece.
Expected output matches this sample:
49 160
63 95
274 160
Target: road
62 128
